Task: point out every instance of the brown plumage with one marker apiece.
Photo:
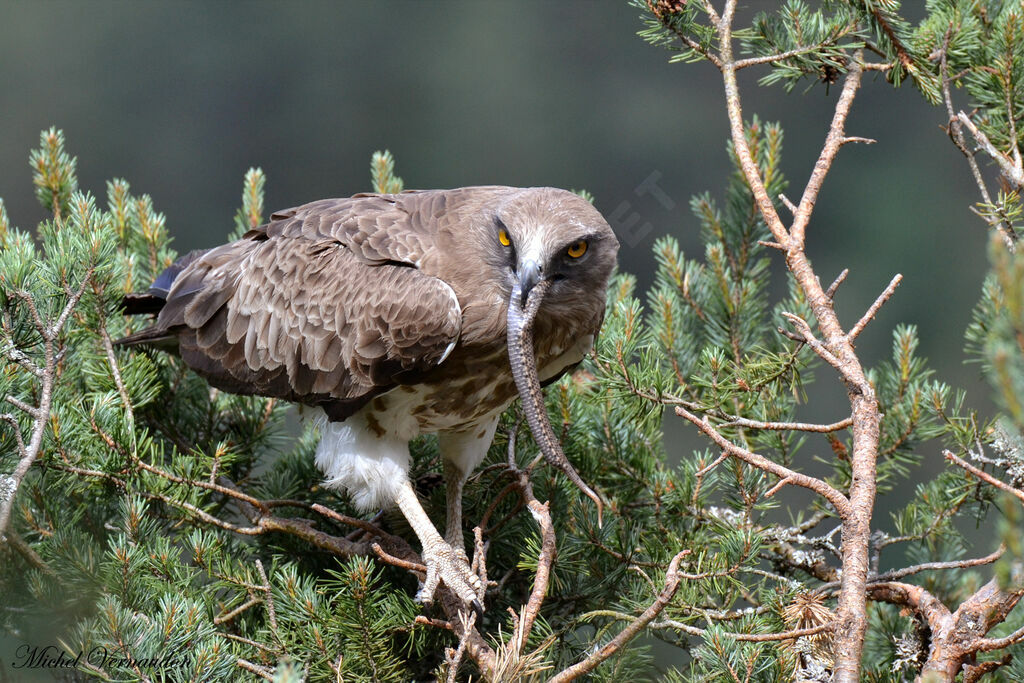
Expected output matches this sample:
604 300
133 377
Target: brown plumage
389 312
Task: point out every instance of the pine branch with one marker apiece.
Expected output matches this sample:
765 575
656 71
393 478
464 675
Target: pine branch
27 454
956 134
984 476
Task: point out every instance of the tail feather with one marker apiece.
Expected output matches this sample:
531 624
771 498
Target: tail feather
151 336
142 303
152 302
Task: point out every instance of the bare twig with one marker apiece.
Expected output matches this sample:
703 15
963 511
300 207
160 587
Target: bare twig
833 141
849 139
229 616
1012 170
789 426
672 580
897 574
397 561
807 336
743 637
768 59
16 428
838 500
21 358
989 644
29 554
468 622
269 592
115 371
830 293
542 515
263 672
23 407
873 309
984 476
787 203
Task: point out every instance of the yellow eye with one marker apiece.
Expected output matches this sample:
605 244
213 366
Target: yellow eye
504 238
578 249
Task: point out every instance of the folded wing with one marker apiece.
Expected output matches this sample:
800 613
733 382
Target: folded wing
324 305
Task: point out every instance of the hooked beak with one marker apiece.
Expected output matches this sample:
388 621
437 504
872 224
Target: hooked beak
529 275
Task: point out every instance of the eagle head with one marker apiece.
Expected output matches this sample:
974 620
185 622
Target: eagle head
547 234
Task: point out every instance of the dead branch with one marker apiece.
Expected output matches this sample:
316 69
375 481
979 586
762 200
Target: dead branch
542 515
838 500
856 515
984 476
873 309
672 580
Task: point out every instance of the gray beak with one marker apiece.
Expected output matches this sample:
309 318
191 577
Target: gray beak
529 275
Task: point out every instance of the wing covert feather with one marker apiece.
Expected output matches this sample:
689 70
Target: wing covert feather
317 305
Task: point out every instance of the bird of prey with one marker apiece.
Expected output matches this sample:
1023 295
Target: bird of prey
398 315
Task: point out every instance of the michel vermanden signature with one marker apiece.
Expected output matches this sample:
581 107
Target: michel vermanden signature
52 657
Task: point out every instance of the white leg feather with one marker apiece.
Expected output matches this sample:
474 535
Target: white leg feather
368 466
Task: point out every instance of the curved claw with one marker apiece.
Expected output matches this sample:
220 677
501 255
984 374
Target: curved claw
449 565
524 371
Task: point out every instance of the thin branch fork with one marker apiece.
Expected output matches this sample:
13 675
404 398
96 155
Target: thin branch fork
838 500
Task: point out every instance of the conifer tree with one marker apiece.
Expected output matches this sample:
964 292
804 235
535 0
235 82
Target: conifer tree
167 531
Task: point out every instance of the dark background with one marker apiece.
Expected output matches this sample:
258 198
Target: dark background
180 98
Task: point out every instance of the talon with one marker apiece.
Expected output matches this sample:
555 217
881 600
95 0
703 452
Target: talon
479 609
449 565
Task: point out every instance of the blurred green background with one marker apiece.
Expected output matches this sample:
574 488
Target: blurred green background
180 98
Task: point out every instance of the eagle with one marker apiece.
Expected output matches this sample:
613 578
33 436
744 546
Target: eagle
396 315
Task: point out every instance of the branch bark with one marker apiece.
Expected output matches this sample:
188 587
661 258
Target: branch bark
836 346
40 413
